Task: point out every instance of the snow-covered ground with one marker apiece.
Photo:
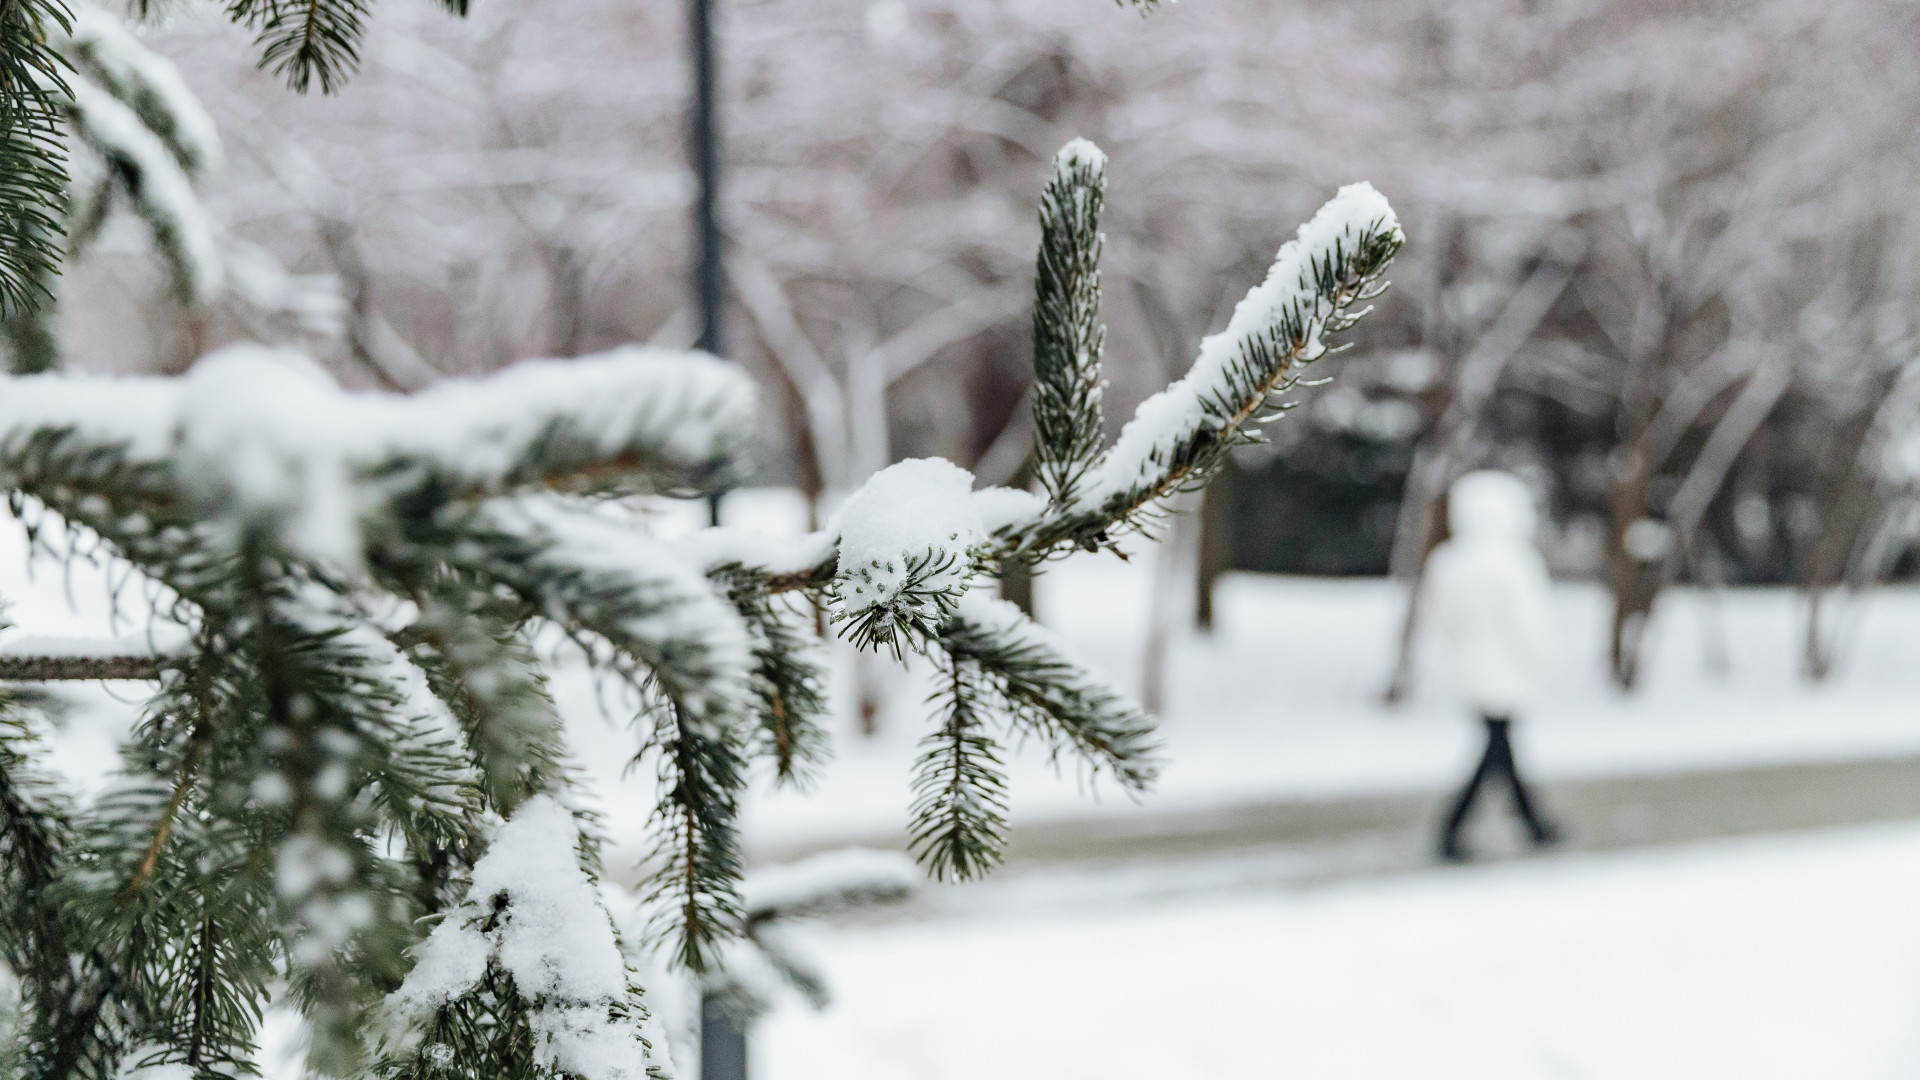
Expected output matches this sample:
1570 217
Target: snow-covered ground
1779 957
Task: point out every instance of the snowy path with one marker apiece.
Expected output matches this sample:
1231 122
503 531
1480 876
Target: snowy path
1784 957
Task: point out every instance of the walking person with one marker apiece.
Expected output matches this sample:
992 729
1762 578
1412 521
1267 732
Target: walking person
1486 599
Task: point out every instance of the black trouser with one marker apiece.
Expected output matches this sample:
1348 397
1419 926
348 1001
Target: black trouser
1495 764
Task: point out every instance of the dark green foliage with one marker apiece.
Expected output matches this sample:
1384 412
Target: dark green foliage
1265 365
486 1034
1067 335
959 795
32 339
475 661
35 830
33 174
1046 695
306 41
695 876
924 600
788 679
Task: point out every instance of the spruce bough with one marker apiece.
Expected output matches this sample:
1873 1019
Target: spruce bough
349 789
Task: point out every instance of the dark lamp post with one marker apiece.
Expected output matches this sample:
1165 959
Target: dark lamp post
709 276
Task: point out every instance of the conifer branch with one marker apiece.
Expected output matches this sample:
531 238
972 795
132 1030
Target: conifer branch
1067 335
148 176
788 678
960 806
1179 438
304 41
35 831
1051 696
189 773
911 615
33 174
695 858
472 654
636 608
81 668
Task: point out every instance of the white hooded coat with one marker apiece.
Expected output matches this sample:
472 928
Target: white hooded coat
1486 596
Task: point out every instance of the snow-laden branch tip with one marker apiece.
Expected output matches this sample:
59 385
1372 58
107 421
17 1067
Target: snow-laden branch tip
536 916
906 551
1290 309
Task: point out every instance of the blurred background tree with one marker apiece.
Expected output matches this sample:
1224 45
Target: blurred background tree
1661 266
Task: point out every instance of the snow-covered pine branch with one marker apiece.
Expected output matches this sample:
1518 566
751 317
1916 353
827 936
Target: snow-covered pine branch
531 953
1317 287
129 107
102 48
303 729
905 553
1067 335
137 138
357 577
34 184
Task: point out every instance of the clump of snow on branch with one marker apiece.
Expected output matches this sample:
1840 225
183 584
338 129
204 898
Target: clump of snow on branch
1080 154
266 434
906 544
536 914
1169 418
1003 508
258 430
682 409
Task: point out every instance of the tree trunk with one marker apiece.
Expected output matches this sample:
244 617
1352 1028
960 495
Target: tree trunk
1016 579
1633 568
1846 522
1171 565
1218 507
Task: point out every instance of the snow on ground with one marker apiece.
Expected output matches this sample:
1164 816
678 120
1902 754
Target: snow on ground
1781 957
